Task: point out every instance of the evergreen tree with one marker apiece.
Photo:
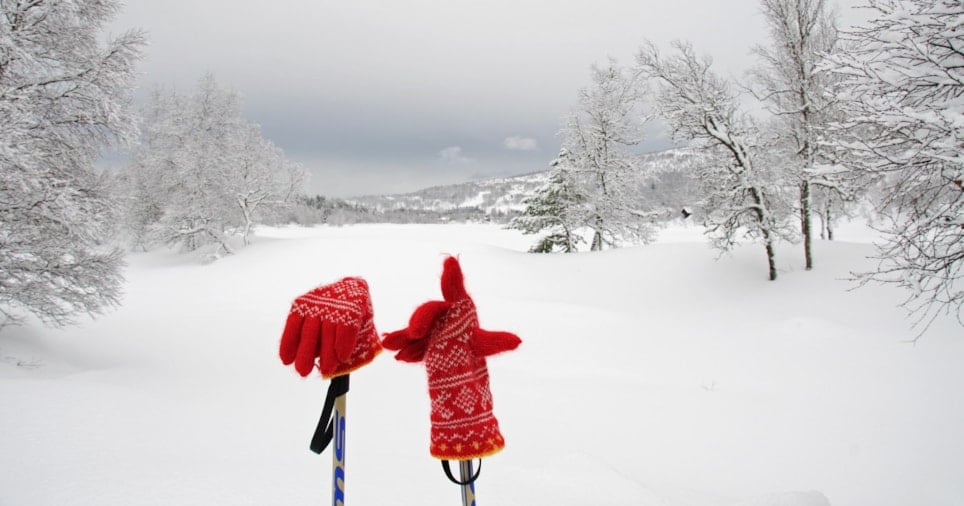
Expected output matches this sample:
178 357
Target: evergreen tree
555 210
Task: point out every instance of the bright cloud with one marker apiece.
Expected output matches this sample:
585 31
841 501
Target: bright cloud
519 143
453 154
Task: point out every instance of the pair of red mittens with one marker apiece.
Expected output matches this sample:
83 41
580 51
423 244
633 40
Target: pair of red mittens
331 327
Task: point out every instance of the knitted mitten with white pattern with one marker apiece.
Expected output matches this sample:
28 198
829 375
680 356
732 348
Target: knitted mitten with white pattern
446 336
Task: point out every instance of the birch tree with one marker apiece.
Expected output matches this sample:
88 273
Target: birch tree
189 176
797 91
902 91
145 195
743 194
598 136
64 96
202 173
259 177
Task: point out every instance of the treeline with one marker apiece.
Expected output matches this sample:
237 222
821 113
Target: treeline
322 210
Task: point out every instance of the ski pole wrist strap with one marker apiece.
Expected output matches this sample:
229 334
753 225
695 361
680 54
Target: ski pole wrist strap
465 481
325 429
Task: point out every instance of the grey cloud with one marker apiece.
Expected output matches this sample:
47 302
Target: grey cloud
381 87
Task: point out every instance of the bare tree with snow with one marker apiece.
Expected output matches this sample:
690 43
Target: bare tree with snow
797 92
261 177
743 191
144 197
202 173
64 96
185 166
598 136
902 89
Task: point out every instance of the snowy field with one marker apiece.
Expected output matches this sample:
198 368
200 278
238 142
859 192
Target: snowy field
654 376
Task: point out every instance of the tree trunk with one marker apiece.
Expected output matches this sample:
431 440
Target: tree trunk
805 222
570 242
771 256
597 238
761 221
596 241
823 223
829 223
246 232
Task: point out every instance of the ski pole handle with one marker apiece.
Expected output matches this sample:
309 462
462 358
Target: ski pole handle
325 430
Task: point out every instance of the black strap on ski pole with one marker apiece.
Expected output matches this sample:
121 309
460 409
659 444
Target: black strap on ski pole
325 429
470 480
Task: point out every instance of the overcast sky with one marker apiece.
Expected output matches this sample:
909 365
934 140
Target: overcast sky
393 96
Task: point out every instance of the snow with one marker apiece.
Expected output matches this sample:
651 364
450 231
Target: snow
475 201
657 375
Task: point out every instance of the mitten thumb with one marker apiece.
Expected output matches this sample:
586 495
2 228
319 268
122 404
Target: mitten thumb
487 342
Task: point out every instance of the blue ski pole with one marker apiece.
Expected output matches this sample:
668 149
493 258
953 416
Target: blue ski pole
331 429
468 489
338 455
466 481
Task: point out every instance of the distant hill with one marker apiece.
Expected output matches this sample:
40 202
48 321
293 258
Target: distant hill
498 195
669 186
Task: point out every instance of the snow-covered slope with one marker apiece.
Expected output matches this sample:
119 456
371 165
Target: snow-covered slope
654 376
489 195
662 175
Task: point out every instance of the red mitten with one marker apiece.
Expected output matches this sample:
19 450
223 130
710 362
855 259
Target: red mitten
446 336
331 327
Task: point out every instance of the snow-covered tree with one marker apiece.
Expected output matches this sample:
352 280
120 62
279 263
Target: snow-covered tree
743 192
64 96
144 196
262 177
202 172
556 210
797 91
598 135
903 93
831 203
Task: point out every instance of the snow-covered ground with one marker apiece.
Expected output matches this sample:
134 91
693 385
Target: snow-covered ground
654 375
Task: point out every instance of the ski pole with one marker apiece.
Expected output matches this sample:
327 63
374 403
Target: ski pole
331 429
331 329
468 489
466 481
338 455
